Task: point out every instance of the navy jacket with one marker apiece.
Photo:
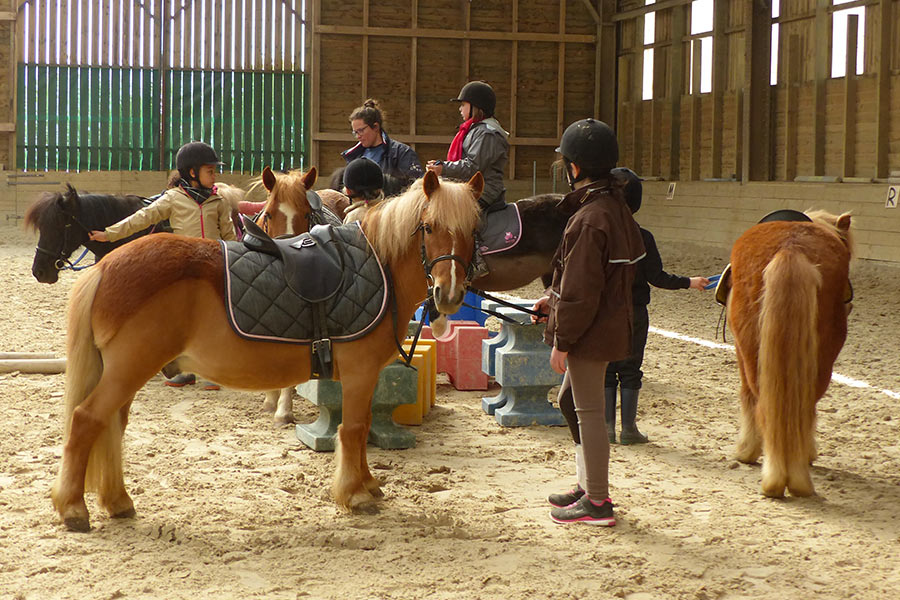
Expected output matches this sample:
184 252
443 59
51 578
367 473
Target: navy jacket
399 160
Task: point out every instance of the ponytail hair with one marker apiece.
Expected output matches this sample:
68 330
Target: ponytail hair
370 113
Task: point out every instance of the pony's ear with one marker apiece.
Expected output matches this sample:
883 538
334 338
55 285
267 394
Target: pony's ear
430 183
843 223
309 178
477 184
268 178
69 200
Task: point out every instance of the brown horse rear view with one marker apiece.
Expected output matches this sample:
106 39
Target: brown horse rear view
787 311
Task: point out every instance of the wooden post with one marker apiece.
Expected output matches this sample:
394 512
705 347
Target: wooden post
413 68
605 65
791 108
883 44
561 73
637 95
676 68
720 64
514 85
823 52
757 104
314 60
849 141
364 84
696 126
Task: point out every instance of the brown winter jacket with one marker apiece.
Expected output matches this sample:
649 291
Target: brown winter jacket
590 298
212 219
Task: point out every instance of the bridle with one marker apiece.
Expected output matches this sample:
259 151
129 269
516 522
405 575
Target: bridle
60 258
428 265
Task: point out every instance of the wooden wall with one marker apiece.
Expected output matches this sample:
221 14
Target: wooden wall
810 125
716 213
540 56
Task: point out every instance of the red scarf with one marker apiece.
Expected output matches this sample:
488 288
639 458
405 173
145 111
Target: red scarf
455 151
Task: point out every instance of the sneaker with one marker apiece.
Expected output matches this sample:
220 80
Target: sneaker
567 498
211 386
181 380
585 511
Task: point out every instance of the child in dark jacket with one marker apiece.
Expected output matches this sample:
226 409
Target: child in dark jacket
627 373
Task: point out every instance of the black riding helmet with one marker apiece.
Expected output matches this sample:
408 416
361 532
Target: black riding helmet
363 175
634 191
480 94
193 155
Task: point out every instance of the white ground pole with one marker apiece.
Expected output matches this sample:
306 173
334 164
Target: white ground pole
835 377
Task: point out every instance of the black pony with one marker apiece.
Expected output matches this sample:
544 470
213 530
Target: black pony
63 221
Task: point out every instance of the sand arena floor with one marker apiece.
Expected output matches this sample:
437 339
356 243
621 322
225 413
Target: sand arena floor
230 506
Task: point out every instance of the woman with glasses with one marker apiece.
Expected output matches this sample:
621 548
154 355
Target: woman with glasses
399 162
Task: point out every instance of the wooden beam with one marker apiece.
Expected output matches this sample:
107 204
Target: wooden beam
640 12
822 66
451 34
637 96
314 81
514 86
333 136
561 70
696 107
605 64
850 99
757 102
791 106
883 88
676 68
364 72
720 70
413 69
738 135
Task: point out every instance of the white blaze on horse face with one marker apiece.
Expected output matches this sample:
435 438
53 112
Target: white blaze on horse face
453 267
289 212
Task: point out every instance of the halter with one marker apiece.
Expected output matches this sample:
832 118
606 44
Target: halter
62 261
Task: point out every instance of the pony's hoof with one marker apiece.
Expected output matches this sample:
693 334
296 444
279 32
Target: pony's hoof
374 487
128 513
284 419
78 524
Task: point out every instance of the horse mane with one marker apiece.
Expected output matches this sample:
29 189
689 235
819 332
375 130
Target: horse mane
830 221
391 224
231 194
41 210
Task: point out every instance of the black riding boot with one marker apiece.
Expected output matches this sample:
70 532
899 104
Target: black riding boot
630 433
611 413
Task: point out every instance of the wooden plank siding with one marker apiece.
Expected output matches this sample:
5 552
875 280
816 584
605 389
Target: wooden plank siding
538 55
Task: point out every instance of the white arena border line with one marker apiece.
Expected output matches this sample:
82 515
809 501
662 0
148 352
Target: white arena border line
836 377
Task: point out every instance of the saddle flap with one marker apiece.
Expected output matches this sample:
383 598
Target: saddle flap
256 239
501 230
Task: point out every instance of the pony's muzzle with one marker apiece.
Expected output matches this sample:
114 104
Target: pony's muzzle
446 302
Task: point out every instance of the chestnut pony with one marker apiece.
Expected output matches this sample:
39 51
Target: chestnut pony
787 311
159 300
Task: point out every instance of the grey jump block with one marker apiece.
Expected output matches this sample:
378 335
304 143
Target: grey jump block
397 384
523 369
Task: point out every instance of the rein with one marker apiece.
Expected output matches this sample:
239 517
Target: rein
502 302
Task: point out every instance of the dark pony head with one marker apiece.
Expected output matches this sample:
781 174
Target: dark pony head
62 222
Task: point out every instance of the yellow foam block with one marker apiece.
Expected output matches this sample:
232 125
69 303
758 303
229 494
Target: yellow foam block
411 414
425 361
429 348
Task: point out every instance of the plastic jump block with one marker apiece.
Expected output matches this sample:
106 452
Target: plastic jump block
430 376
444 347
423 360
523 369
396 383
464 313
489 346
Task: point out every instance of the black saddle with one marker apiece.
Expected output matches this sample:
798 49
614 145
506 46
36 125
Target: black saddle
784 214
313 262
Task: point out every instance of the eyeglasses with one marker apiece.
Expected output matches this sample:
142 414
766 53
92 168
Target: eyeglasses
359 132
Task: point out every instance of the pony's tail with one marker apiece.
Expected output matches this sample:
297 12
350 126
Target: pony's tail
787 368
84 366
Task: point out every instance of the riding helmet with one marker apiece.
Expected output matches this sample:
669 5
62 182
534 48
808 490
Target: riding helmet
195 154
634 191
480 94
363 175
590 144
